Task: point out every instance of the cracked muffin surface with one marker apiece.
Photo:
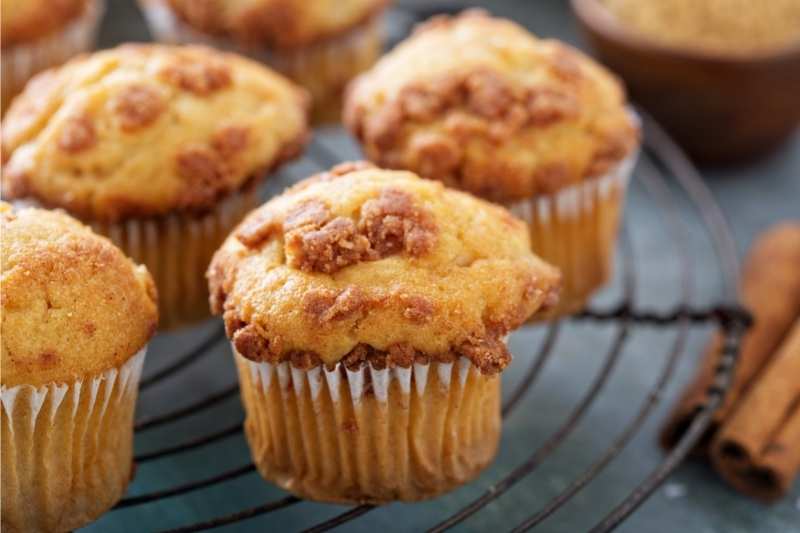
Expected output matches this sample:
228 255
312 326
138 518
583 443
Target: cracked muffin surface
144 130
72 304
360 263
482 105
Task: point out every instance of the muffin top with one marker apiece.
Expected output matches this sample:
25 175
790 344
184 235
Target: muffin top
279 23
73 305
24 20
483 105
362 263
143 130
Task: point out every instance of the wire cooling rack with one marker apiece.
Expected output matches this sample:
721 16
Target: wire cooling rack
660 160
662 167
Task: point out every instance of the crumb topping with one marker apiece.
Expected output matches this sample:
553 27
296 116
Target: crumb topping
417 309
230 140
317 241
490 355
199 78
359 262
393 223
328 248
138 106
146 130
326 305
77 135
485 114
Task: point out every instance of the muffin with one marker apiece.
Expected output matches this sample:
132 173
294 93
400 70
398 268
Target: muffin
368 311
482 105
76 319
320 44
160 148
37 34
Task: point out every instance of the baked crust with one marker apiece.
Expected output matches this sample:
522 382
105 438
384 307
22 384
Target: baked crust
26 20
144 130
480 104
418 268
276 23
72 304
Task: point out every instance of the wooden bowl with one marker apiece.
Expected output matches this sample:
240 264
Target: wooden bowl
721 109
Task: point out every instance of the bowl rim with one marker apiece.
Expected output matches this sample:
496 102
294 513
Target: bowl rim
599 19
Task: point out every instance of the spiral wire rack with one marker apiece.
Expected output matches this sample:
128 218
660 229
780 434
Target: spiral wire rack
661 160
660 157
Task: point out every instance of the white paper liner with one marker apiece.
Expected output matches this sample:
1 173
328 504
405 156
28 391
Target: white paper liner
370 434
177 249
576 230
324 68
295 379
574 201
22 61
67 448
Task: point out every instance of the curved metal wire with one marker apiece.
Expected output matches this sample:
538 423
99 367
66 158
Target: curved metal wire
679 166
682 315
496 490
545 351
662 195
191 409
624 313
186 487
669 158
733 326
237 517
724 373
338 520
191 444
204 348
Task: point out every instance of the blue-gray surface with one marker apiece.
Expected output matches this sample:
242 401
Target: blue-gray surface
693 499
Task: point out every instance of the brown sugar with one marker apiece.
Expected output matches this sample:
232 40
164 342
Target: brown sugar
736 27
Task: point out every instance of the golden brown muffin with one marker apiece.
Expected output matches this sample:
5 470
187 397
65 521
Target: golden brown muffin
320 44
37 34
279 23
145 130
377 258
158 147
73 304
375 278
482 105
76 316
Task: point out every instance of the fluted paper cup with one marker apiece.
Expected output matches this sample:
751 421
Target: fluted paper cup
67 449
370 435
177 249
576 230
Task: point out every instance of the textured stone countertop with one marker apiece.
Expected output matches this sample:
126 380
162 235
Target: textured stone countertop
693 500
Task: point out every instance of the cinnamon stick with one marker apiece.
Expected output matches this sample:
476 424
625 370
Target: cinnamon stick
757 449
770 288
